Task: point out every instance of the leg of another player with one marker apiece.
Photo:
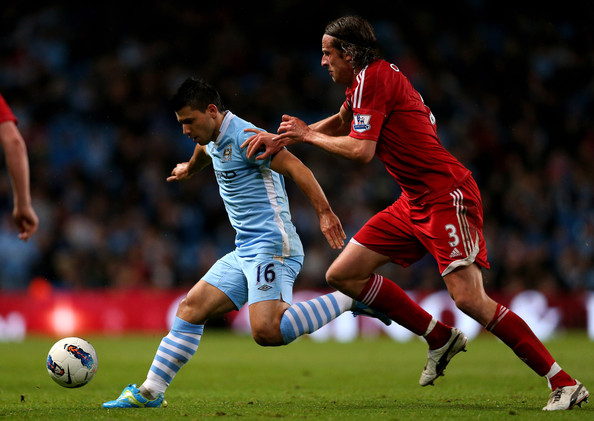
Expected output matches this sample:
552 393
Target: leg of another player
466 288
274 322
353 274
202 302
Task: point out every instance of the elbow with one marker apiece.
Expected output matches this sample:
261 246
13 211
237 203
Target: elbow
363 151
363 156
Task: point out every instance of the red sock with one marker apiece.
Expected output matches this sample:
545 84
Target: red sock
516 334
561 379
387 297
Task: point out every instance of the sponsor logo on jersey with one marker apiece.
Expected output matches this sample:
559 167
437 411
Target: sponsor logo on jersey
225 176
264 287
361 123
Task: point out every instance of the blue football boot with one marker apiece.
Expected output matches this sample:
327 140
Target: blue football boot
131 398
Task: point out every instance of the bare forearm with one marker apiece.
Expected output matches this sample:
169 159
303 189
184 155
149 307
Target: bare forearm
199 160
332 126
307 183
344 146
17 164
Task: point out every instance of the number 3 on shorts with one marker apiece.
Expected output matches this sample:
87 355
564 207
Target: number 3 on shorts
452 232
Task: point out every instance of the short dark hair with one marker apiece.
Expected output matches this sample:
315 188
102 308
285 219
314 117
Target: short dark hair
197 94
354 35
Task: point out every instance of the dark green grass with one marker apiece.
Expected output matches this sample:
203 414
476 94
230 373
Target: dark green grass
232 378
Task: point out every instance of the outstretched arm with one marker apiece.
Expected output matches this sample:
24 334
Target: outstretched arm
330 134
289 165
17 163
267 144
338 124
197 162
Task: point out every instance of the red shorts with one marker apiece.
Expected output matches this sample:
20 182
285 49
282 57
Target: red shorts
449 227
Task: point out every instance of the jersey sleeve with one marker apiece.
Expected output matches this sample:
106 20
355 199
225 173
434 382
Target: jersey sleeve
371 102
242 137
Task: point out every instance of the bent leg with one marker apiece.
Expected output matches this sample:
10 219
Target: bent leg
353 274
202 302
265 320
275 322
177 348
466 288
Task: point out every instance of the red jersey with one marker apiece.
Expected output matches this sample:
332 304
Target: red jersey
5 111
387 109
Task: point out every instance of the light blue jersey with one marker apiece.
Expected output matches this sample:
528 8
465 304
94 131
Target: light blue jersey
255 197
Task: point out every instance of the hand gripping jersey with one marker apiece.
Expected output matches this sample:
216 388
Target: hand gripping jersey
5 112
387 109
255 197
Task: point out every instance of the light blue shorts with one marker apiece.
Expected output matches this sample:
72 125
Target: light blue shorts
255 279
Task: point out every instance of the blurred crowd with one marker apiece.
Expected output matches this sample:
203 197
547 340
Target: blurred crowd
512 91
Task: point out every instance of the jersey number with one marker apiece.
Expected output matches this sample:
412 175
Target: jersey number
452 233
268 274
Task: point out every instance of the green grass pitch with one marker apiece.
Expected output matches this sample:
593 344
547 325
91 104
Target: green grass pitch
232 378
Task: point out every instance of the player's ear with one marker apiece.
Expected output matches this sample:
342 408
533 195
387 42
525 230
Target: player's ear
212 110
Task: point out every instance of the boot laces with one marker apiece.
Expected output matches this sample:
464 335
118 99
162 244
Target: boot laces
556 395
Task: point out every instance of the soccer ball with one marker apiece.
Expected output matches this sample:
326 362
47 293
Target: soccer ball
72 362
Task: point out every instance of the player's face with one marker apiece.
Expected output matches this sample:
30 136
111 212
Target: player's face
337 63
197 125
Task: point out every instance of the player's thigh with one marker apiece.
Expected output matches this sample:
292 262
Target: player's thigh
222 289
203 302
271 278
388 236
355 262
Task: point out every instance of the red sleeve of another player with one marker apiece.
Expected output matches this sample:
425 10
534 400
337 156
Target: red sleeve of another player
5 111
371 105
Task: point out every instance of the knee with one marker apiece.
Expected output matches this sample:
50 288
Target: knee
475 305
336 279
350 284
333 281
267 337
465 302
185 309
191 311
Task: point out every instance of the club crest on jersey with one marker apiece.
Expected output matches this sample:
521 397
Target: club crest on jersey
227 152
361 123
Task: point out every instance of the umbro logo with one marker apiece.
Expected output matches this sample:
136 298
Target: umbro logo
455 253
264 287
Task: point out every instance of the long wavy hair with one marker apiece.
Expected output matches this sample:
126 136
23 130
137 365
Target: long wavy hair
354 35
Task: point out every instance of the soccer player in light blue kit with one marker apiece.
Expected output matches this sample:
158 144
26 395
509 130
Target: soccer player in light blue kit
268 254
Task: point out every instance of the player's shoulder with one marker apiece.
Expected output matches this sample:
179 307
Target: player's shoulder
379 73
383 69
233 129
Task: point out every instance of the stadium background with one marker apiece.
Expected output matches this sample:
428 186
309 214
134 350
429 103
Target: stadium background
512 92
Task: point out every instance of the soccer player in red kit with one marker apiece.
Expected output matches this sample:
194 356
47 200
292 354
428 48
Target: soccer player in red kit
17 162
439 211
